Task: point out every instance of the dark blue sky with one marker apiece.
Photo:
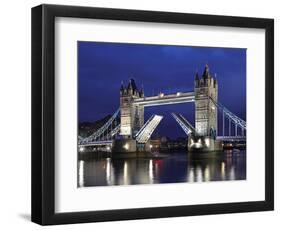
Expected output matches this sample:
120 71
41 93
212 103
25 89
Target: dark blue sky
169 69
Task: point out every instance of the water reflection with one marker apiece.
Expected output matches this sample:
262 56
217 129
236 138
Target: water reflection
170 168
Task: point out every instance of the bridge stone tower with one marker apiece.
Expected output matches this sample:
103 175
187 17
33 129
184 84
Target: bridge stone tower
204 138
205 111
132 116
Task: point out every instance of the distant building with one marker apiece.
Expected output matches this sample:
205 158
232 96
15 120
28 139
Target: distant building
166 144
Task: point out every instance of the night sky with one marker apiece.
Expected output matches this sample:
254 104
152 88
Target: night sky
169 69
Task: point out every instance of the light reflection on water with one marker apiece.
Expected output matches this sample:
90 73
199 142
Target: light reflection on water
171 168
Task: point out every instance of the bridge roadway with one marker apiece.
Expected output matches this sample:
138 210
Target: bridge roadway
110 142
163 99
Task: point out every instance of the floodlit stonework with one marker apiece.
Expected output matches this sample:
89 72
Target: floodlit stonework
132 116
206 90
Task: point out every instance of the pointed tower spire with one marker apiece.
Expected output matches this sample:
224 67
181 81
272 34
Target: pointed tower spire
130 84
197 76
130 87
215 80
197 79
121 88
141 93
206 73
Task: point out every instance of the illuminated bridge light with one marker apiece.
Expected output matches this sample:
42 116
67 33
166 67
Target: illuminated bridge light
207 142
126 146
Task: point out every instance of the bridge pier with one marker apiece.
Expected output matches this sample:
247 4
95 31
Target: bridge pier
130 146
203 144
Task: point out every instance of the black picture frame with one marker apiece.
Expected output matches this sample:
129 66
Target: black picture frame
43 110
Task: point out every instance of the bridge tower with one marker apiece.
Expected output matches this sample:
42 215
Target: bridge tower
205 110
204 138
132 116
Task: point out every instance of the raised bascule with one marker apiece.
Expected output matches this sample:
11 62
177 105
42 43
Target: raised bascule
127 132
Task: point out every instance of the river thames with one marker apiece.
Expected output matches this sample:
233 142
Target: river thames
162 168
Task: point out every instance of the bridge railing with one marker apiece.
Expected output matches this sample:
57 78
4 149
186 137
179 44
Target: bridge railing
241 123
165 99
232 119
101 131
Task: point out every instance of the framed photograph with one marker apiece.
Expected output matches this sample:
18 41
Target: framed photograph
142 114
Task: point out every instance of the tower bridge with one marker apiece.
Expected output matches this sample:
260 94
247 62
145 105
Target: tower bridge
126 130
